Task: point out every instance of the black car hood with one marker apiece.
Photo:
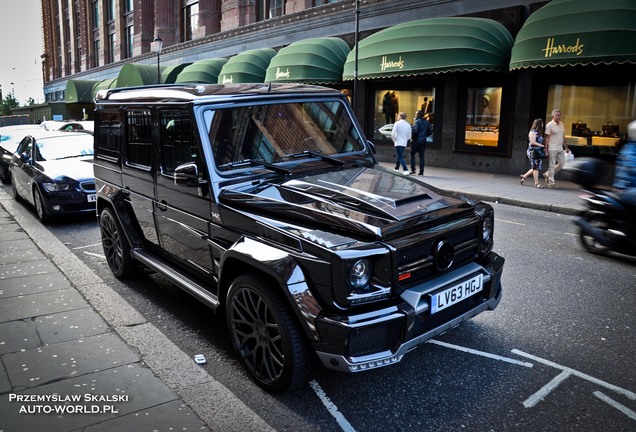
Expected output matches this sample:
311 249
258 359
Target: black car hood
370 201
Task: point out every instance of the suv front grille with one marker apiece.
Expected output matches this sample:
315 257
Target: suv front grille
418 260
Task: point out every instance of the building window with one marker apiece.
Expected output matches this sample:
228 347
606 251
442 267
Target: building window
128 6
130 33
323 2
112 41
595 117
483 109
267 9
95 14
189 19
110 10
96 48
388 103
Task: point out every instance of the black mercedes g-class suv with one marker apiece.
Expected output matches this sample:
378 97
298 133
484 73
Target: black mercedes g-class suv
267 203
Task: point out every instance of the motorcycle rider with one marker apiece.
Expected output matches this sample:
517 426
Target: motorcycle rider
625 173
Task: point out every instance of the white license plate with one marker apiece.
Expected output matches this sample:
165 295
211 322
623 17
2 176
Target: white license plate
92 197
456 293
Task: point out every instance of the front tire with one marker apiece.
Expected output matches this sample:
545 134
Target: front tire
588 242
116 246
266 336
40 207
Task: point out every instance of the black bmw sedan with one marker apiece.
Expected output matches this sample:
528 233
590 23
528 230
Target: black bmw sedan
54 172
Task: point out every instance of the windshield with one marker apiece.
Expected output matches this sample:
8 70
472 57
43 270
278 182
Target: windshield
277 132
64 147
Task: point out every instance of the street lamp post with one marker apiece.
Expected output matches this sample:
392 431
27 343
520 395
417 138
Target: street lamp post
355 62
158 45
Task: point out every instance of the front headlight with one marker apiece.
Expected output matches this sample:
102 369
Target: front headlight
487 227
360 274
56 187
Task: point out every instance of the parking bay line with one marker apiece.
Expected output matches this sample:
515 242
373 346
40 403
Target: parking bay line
331 407
566 372
95 255
622 408
480 353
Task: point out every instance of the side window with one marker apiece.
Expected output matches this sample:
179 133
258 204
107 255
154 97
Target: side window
25 146
178 145
139 138
109 132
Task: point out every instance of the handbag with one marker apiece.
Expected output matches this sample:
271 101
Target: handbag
538 153
610 129
579 128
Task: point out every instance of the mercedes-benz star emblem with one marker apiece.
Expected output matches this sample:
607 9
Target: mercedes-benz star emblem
444 255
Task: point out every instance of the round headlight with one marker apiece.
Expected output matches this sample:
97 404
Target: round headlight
360 273
487 230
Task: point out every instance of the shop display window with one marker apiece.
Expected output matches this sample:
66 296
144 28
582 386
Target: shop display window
483 110
595 117
388 103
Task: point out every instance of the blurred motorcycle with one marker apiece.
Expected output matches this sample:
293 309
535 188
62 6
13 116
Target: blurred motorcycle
607 224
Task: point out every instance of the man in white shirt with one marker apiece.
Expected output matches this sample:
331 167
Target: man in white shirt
401 134
555 145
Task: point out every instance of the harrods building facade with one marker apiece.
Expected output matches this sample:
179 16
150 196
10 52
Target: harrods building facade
482 70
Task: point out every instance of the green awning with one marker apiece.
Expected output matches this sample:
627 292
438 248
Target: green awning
103 85
430 46
311 61
203 71
577 32
170 73
79 91
132 75
247 67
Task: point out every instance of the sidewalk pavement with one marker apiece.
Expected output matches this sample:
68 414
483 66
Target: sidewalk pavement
75 356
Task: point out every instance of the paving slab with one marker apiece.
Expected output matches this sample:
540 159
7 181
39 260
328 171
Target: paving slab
31 268
131 388
22 286
21 255
17 335
66 326
34 305
41 365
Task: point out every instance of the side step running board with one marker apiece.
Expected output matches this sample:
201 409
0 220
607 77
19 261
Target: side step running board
179 279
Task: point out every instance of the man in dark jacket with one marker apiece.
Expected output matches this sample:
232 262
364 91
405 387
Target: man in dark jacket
421 130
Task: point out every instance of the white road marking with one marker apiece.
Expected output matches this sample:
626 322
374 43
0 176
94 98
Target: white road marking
510 222
570 371
87 246
546 389
622 408
95 255
480 353
333 410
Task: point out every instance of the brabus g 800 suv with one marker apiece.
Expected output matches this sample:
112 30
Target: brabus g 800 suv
267 203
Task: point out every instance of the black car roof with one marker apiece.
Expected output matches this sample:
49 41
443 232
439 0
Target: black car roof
195 92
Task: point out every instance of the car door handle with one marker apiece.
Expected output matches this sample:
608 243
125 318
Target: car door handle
163 206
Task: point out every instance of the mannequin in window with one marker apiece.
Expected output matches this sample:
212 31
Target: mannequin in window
485 117
389 106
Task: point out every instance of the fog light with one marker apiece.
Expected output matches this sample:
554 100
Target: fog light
57 208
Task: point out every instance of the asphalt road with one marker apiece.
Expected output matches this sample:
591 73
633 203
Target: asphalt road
557 355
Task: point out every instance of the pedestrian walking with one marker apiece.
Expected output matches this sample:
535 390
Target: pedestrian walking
535 152
421 130
401 135
556 146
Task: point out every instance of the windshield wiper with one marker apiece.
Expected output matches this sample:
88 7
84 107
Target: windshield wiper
312 153
74 156
256 162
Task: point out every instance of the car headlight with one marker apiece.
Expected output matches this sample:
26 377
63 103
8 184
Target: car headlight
56 187
360 274
487 227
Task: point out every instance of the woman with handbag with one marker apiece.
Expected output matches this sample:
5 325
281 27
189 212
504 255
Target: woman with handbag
535 152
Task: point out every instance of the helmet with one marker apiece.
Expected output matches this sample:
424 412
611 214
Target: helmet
631 131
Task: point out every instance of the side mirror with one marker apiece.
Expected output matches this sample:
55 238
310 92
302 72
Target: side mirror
187 175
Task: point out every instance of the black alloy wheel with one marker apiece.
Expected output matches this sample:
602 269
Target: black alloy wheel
266 336
116 246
